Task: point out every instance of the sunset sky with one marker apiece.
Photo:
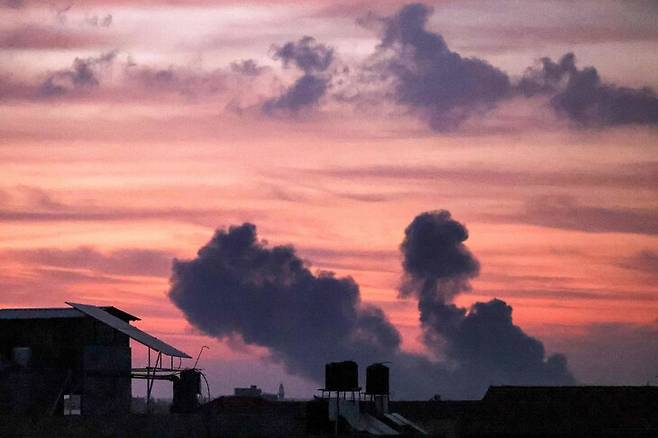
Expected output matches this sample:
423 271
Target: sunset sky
131 130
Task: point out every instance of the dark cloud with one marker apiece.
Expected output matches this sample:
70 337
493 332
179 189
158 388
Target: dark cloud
584 98
483 342
304 93
314 59
446 88
441 85
237 286
305 54
568 213
83 75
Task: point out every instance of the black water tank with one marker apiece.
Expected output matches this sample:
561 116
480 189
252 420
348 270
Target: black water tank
377 379
187 389
341 376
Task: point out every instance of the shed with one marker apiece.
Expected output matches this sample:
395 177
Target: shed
74 360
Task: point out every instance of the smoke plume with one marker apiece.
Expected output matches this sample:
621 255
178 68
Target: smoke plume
237 286
482 342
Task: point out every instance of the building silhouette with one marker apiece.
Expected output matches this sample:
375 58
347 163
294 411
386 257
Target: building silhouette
71 361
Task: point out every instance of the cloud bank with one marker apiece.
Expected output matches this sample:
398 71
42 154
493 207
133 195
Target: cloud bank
412 67
446 88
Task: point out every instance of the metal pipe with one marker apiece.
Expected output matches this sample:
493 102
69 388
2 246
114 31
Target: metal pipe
199 356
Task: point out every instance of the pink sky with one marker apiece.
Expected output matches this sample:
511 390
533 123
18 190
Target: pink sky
109 177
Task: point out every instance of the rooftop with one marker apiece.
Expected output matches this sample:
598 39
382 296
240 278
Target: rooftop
108 315
60 312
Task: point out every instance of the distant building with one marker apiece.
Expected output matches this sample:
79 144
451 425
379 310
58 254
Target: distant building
252 391
255 392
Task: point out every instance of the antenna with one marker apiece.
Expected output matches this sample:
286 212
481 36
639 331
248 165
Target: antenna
199 356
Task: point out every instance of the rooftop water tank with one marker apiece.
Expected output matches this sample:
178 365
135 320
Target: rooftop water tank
341 376
377 376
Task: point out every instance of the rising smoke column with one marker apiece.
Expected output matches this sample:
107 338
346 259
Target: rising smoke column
237 286
482 342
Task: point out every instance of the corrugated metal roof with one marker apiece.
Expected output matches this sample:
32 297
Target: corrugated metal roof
401 421
122 326
370 424
59 312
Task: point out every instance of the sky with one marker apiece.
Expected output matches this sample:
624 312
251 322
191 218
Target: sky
132 131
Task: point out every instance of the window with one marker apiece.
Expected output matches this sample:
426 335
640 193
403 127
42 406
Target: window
72 404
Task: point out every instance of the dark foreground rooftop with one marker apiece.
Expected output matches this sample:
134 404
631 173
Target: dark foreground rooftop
505 411
607 411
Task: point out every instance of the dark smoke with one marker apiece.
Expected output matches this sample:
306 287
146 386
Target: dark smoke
239 287
444 87
483 342
313 59
580 95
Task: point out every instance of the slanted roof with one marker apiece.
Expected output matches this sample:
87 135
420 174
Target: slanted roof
127 329
60 312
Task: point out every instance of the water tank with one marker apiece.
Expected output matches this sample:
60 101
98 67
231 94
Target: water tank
21 356
377 376
341 376
187 388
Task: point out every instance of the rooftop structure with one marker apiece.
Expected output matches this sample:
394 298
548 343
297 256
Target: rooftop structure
72 361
